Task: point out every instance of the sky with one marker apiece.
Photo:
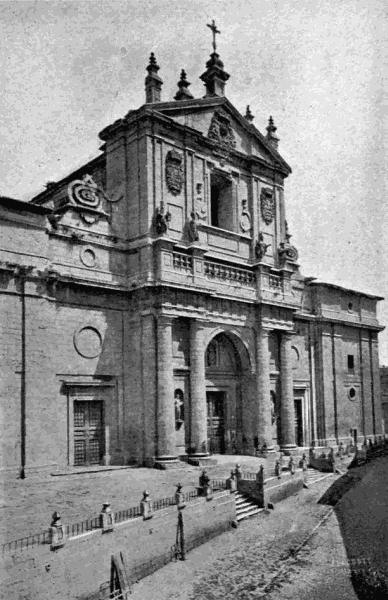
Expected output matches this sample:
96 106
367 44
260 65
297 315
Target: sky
68 69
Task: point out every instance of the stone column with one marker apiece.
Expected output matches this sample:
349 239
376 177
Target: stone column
165 414
263 407
287 408
198 407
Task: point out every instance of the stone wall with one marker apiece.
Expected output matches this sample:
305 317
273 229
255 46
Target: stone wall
82 566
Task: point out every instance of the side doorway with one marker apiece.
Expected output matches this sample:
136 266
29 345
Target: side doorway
89 442
299 437
216 421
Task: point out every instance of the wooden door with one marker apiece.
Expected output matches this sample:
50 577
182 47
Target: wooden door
215 422
88 432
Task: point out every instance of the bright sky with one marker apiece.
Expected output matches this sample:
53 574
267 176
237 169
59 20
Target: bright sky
70 68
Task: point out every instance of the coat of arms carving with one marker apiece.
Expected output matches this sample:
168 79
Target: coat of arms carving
174 172
267 205
220 131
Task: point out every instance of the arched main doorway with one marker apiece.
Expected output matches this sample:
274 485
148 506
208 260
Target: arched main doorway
228 383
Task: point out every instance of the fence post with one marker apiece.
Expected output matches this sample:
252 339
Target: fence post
107 518
57 532
146 506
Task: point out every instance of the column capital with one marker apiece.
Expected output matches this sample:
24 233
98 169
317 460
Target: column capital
263 331
164 318
287 334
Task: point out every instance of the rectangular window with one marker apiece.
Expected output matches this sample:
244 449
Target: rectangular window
222 210
350 362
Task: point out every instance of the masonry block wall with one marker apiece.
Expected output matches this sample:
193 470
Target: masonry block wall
82 566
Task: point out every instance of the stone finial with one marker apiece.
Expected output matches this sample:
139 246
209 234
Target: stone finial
146 506
205 487
179 497
248 114
153 83
271 133
231 483
183 92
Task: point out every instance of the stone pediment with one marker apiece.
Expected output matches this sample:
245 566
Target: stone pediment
220 122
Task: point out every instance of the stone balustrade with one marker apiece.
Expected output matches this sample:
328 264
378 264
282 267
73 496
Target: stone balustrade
182 262
228 273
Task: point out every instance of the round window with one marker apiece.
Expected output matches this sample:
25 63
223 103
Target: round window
352 393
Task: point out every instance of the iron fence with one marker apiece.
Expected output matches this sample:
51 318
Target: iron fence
27 542
75 529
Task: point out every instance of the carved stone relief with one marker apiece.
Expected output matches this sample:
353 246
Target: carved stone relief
267 205
220 131
174 172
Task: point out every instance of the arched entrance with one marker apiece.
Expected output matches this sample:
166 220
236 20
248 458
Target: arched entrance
228 382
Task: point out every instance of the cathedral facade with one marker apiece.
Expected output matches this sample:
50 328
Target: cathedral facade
152 306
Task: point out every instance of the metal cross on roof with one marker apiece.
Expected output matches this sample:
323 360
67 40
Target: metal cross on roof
214 29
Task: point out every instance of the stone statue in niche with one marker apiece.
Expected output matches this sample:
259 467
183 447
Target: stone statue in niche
286 251
179 408
174 172
245 219
267 205
200 205
162 219
193 229
261 247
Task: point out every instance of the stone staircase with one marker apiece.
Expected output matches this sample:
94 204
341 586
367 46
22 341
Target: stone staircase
245 507
313 476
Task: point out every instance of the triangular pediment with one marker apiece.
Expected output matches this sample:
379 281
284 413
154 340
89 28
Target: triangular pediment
219 121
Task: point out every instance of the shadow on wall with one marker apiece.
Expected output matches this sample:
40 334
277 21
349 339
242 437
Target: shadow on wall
359 501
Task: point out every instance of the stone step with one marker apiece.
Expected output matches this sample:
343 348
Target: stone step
251 512
245 507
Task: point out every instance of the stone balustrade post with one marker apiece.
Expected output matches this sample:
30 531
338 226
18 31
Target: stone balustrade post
57 532
166 443
107 519
287 407
146 506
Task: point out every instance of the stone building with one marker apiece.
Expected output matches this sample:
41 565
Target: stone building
152 305
384 395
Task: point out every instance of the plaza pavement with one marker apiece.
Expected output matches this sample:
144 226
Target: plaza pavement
26 505
302 549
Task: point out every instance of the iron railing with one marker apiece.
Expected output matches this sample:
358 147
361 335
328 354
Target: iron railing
75 529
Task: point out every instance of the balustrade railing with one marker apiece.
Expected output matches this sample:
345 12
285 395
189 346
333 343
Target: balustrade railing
275 283
227 273
182 262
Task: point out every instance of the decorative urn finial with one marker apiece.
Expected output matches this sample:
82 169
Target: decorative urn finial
248 114
153 83
183 92
271 133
